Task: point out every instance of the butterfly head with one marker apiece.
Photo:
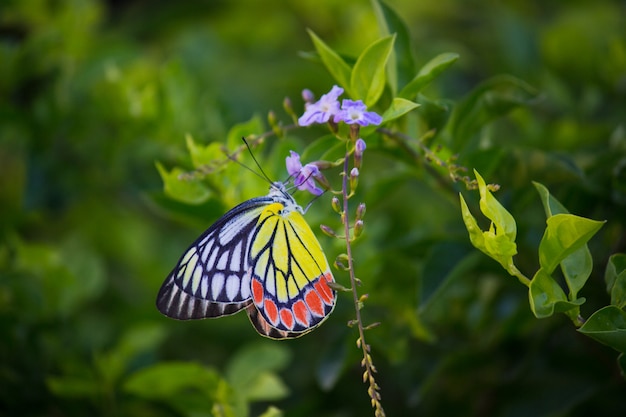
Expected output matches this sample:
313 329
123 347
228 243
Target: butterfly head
278 192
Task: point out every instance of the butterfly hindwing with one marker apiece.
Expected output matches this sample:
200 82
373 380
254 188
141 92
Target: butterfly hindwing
289 275
210 279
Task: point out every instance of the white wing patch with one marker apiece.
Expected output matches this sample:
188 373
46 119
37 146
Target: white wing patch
217 283
233 284
211 277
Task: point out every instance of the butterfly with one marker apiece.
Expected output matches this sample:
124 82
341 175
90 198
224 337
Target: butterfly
262 257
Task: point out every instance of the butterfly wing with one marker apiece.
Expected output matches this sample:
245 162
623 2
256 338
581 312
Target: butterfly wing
211 279
289 276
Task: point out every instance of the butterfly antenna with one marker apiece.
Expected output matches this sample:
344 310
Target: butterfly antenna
234 159
256 162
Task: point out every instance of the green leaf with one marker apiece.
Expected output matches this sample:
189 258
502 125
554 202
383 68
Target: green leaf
446 265
168 379
398 108
332 360
475 233
546 296
337 67
494 211
577 269
136 340
189 388
68 275
497 246
325 147
427 73
615 278
607 326
565 234
272 412
367 81
228 402
578 265
252 364
499 241
251 128
490 100
267 386
205 155
551 205
400 67
73 387
621 362
190 191
197 215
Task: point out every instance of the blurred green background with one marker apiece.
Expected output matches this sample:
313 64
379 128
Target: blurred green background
92 93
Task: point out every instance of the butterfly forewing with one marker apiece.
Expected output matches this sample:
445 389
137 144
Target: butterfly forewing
210 279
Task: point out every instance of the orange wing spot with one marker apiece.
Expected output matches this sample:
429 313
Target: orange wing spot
271 311
314 302
301 313
286 316
257 292
324 291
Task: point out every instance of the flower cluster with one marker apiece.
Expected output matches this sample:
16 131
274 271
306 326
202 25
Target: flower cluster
327 107
328 110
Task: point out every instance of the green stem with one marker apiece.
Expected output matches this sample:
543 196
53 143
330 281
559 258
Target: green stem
512 269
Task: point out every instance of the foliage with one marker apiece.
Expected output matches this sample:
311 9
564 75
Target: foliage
92 93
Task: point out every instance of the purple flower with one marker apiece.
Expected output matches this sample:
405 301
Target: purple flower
322 110
355 112
303 176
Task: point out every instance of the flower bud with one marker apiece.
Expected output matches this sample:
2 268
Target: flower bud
327 230
354 178
322 180
271 118
323 164
273 122
360 211
359 148
358 228
288 106
308 96
335 205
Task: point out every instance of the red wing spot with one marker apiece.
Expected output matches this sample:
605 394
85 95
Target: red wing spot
271 311
257 292
301 313
287 318
314 302
324 291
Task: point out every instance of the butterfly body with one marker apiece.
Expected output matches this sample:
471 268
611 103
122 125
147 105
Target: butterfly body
261 256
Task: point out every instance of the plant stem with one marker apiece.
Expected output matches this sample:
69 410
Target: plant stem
367 360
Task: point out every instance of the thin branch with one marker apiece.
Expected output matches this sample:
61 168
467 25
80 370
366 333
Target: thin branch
367 363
